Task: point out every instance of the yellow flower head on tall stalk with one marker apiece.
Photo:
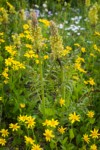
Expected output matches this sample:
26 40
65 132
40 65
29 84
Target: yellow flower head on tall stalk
87 3
94 134
93 15
48 135
36 147
73 117
4 132
2 141
93 147
36 33
90 114
86 138
56 41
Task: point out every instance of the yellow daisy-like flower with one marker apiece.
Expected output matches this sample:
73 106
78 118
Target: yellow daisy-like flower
83 49
2 141
93 147
61 130
28 140
4 132
73 117
36 147
86 138
14 127
46 56
94 133
90 114
22 118
48 134
30 122
25 26
46 123
62 102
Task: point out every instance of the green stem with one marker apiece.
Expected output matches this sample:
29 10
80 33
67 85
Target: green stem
42 86
62 82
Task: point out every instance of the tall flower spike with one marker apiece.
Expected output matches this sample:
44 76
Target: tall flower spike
56 42
87 3
34 18
93 14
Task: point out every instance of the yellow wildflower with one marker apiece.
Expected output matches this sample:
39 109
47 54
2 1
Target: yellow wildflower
76 44
90 114
37 61
45 22
22 118
91 54
62 102
36 147
86 138
46 56
25 26
28 140
93 147
91 81
61 130
14 127
73 117
29 54
46 123
94 133
53 123
30 122
4 132
83 49
2 141
48 134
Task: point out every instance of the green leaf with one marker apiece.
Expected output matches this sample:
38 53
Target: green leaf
71 134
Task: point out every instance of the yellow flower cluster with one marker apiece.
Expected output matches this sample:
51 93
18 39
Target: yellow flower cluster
14 64
66 50
45 22
78 63
4 132
94 135
30 141
96 48
14 127
2 141
28 120
52 123
11 50
90 81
